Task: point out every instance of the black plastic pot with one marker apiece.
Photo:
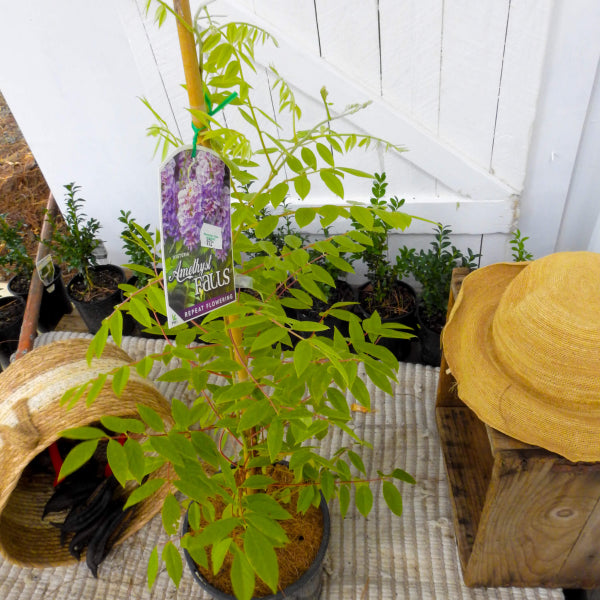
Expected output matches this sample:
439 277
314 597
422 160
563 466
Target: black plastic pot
429 339
399 347
55 301
307 587
10 325
96 310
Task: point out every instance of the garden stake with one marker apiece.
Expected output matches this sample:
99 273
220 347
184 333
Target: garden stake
193 75
193 80
36 288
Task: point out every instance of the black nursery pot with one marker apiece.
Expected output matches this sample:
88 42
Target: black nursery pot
55 302
429 339
307 587
96 310
12 309
399 347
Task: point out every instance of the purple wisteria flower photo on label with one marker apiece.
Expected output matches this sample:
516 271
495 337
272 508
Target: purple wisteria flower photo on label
195 234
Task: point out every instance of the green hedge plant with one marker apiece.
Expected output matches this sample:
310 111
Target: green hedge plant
432 268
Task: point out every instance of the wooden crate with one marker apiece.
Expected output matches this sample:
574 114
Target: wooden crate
523 516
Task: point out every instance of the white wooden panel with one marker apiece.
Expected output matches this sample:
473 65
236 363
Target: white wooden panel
136 25
496 248
297 19
582 210
78 111
466 217
308 74
411 49
430 155
570 68
261 96
594 244
349 34
406 180
165 51
473 42
521 76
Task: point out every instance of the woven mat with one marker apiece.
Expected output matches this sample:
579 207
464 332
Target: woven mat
383 557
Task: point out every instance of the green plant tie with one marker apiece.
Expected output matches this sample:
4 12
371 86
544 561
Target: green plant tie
211 111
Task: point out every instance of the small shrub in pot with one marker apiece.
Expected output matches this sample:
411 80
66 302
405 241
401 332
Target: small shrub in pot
95 288
432 268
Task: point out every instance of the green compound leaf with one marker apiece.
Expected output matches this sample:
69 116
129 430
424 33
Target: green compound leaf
83 433
308 156
275 438
144 366
242 575
144 491
96 388
77 457
357 461
151 418
121 425
333 182
266 226
171 514
302 356
392 497
325 154
278 194
363 215
119 380
136 461
302 186
115 323
152 567
262 557
344 496
267 506
304 216
173 562
218 553
117 459
364 499
268 338
98 342
272 529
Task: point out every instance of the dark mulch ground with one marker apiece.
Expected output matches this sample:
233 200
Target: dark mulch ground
23 190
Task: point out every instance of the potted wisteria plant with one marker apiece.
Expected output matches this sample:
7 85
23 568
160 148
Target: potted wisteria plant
265 387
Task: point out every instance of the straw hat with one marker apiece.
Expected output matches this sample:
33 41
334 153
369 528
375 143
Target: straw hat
523 342
31 419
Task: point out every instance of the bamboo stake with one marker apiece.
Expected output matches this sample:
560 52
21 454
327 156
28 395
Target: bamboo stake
193 80
193 75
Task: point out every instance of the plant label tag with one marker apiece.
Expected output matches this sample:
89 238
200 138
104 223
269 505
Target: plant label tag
45 269
195 234
211 236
